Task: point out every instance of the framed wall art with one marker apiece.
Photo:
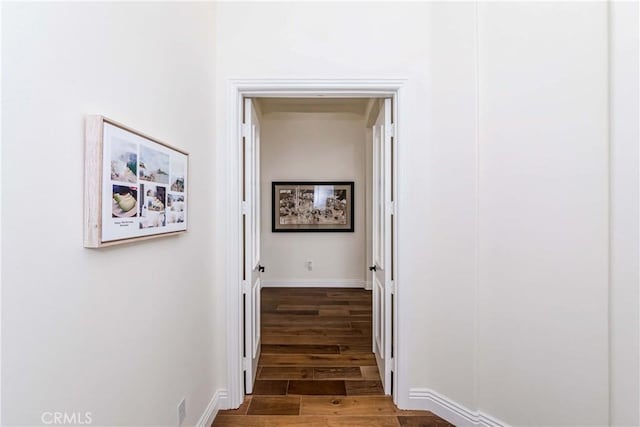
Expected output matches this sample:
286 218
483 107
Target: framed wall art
302 206
135 186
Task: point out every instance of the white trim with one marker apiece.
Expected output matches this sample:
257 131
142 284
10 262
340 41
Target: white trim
368 285
319 283
1 198
428 400
233 257
229 163
217 402
476 214
302 88
402 320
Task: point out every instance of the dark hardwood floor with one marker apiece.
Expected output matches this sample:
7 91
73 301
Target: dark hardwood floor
317 368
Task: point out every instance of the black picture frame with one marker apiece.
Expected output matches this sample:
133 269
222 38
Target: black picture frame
316 219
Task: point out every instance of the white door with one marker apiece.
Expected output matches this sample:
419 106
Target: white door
251 229
381 266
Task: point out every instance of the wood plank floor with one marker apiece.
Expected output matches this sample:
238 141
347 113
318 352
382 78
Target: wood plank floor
317 368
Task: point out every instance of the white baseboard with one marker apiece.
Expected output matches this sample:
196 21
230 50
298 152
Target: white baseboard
314 283
218 401
368 286
429 400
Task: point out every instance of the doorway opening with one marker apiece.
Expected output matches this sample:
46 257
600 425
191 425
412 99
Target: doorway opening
318 200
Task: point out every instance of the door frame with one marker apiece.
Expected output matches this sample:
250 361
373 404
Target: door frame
236 91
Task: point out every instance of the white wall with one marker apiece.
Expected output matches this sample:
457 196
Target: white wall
390 40
503 259
319 147
437 202
122 332
504 178
624 134
543 213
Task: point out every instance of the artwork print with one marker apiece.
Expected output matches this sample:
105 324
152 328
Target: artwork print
312 206
143 186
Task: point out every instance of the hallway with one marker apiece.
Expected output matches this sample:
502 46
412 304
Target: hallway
317 368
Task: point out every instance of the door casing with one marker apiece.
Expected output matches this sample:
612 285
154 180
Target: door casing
237 90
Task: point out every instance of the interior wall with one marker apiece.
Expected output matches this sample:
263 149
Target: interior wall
504 200
543 213
436 155
503 172
437 205
313 147
122 332
624 275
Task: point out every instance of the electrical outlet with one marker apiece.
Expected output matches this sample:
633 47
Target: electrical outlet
182 411
309 265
